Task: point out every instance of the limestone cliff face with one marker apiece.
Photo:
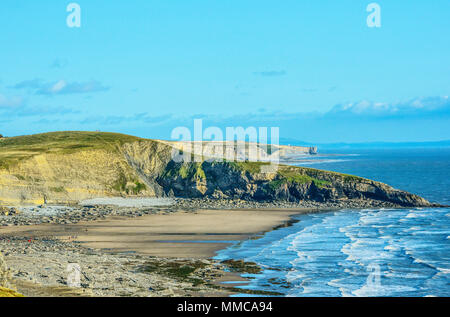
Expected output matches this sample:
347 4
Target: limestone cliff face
71 177
55 178
62 172
148 159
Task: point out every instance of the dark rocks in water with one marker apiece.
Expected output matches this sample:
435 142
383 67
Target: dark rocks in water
240 266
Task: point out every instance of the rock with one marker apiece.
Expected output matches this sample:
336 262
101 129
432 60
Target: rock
289 184
14 211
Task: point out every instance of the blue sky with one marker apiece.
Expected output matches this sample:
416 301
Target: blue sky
312 68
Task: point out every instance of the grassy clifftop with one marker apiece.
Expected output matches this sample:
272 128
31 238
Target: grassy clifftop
13 150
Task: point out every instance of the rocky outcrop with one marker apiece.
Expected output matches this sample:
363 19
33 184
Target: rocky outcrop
244 181
50 169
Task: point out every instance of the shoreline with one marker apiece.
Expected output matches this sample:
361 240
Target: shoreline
76 213
165 240
160 241
195 234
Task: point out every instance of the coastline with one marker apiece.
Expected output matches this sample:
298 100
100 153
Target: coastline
195 234
170 242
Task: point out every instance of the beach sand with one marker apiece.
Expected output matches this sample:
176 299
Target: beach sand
119 247
180 234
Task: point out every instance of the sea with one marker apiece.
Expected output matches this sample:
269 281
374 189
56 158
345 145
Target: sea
370 252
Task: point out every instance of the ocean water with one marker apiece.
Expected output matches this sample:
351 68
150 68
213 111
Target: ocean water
371 252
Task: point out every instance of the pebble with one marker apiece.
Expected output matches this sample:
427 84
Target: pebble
45 262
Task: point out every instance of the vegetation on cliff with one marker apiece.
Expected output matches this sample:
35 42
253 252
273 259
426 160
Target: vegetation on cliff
245 180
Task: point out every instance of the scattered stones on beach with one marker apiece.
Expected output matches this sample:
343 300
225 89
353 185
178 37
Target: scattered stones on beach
44 262
66 215
5 211
23 216
208 203
140 202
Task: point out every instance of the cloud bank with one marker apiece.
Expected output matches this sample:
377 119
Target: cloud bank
419 119
61 87
412 108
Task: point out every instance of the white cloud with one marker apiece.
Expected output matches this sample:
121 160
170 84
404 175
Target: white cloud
61 87
7 102
412 107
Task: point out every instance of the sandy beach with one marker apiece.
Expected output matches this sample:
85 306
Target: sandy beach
181 234
135 256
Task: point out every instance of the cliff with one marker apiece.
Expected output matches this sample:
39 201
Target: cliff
66 167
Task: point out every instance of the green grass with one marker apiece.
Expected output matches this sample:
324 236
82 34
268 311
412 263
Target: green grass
192 171
277 183
15 149
122 185
317 175
139 188
297 176
351 178
67 139
251 167
184 171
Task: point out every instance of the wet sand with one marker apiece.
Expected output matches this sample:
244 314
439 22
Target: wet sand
182 234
